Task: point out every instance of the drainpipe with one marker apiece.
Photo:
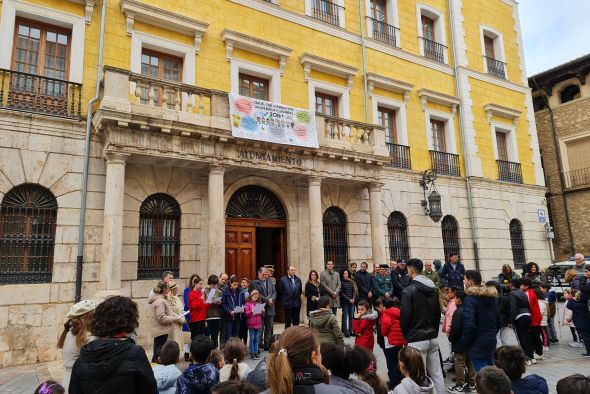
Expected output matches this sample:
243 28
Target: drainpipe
364 61
559 167
464 142
82 225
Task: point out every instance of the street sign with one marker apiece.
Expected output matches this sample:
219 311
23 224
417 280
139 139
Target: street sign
541 215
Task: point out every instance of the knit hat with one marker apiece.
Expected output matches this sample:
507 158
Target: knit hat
81 308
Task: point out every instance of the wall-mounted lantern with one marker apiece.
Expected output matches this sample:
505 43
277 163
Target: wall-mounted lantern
432 204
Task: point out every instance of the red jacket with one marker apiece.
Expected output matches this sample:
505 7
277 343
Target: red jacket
363 328
536 315
390 327
197 306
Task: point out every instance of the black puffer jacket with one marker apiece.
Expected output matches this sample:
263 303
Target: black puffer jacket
364 283
108 366
519 304
420 310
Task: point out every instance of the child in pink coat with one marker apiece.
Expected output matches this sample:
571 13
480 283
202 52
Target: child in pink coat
254 323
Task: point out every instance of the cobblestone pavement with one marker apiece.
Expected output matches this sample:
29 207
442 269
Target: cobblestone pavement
560 361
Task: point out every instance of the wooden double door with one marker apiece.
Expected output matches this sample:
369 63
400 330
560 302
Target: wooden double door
252 243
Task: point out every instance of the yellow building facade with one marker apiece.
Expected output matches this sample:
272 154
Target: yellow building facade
398 87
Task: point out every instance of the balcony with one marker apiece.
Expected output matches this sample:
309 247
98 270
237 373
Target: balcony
383 32
509 171
577 179
433 50
349 135
496 67
445 163
399 156
327 11
41 95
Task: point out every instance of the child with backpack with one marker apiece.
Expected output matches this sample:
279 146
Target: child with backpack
254 323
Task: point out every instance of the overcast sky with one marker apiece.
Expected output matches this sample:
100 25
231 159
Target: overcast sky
554 32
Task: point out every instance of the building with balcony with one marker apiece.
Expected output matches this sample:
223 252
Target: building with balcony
561 98
391 91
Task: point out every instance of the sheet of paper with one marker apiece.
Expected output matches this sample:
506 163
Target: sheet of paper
183 314
210 297
217 299
239 309
258 308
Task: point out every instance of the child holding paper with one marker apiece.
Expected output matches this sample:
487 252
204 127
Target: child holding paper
232 304
197 308
254 323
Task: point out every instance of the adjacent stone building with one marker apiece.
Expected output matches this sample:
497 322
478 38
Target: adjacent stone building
561 98
170 186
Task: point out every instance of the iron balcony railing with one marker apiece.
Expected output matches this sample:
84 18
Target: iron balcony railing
496 67
445 163
434 50
327 11
400 156
509 171
577 178
383 32
42 95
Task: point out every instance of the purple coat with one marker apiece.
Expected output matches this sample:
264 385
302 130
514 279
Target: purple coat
253 321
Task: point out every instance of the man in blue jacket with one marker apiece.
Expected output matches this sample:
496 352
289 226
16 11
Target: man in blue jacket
290 293
453 272
481 321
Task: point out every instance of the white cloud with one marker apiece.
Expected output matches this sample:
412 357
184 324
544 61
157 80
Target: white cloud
554 32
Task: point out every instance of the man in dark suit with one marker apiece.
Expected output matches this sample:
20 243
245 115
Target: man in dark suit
290 289
268 295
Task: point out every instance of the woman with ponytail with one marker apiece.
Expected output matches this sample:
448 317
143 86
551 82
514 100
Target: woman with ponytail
76 334
296 366
412 367
235 368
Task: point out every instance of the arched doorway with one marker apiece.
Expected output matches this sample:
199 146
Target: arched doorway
255 232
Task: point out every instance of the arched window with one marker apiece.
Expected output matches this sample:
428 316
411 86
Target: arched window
450 236
517 242
255 202
335 238
159 236
569 93
539 103
397 231
27 235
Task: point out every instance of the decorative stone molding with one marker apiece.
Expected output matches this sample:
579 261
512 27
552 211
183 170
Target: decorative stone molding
433 96
313 62
393 85
89 8
135 10
234 39
504 112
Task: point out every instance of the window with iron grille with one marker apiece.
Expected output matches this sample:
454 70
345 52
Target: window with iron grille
159 236
27 235
450 235
335 238
397 231
517 242
255 202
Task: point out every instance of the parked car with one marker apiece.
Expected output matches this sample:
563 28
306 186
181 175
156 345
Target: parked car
556 273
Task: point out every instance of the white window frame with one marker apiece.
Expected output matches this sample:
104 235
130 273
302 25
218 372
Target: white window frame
486 31
449 120
563 145
139 41
273 75
341 11
341 92
439 27
392 18
11 9
401 124
511 144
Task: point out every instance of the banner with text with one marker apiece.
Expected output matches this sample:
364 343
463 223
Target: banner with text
271 122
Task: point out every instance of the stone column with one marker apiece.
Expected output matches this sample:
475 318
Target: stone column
112 230
316 228
376 225
216 226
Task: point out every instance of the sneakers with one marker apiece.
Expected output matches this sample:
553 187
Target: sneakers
545 348
575 344
470 388
534 360
458 388
537 357
529 363
586 355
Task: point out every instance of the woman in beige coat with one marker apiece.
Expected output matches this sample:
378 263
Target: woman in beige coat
178 309
163 317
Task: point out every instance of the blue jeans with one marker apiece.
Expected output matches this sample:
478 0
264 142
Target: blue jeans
254 340
232 328
347 315
480 363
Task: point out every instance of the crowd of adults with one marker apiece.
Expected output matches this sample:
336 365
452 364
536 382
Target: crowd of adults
495 330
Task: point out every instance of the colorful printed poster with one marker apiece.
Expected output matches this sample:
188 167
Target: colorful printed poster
271 122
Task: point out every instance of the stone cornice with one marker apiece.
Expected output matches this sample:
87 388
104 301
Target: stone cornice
499 110
314 62
438 98
393 85
135 10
